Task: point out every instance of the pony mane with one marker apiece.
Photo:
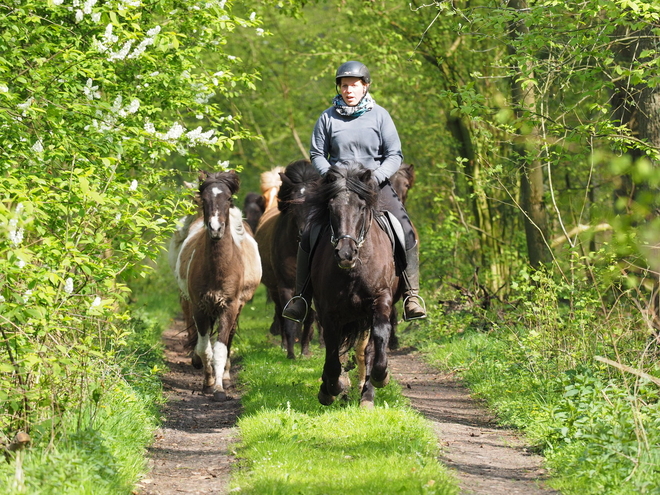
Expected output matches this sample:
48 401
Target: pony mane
296 173
344 176
271 179
236 226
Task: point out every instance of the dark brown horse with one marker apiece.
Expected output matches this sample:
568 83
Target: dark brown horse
354 279
217 270
254 206
403 180
277 236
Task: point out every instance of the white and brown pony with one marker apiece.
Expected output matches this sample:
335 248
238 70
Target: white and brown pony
217 269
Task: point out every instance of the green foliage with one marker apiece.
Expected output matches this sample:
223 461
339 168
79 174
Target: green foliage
94 97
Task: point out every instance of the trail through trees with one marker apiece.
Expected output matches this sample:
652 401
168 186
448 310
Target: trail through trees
193 450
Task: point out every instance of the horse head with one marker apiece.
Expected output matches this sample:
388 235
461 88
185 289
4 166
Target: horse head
350 194
215 195
403 180
297 180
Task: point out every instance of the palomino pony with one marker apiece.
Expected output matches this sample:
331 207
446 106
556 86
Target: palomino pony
217 270
354 279
270 182
277 236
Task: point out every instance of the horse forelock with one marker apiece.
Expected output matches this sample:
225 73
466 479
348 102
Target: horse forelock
341 178
229 180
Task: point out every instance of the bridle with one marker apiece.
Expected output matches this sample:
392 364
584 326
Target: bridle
364 230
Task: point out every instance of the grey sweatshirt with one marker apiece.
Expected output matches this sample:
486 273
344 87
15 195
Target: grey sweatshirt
371 139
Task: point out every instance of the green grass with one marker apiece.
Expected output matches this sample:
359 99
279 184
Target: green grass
291 444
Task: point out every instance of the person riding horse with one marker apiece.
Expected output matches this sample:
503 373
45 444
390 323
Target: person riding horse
356 128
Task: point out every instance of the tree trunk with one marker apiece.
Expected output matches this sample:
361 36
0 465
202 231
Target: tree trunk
531 184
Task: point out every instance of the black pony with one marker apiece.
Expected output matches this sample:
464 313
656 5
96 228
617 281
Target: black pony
354 279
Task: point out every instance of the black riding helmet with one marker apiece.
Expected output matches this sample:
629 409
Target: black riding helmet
353 69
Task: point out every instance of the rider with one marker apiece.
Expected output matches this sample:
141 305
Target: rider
356 128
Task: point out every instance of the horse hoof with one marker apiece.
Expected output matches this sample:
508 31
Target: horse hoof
197 362
325 399
207 389
219 396
367 404
380 383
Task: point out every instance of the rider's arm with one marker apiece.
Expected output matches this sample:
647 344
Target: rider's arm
320 147
392 154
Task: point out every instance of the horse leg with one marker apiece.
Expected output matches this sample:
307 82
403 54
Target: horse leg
221 362
289 327
394 340
365 387
204 351
332 386
307 333
380 336
368 391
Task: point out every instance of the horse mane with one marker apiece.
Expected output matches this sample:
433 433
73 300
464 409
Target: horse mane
351 176
236 226
296 173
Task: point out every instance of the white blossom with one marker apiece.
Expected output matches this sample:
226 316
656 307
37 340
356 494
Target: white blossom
96 17
87 6
133 186
38 147
224 164
96 302
253 16
20 263
68 286
150 127
2 299
16 237
79 15
90 90
27 295
139 50
117 217
4 88
231 57
58 2
153 31
260 32
175 132
121 54
197 137
133 106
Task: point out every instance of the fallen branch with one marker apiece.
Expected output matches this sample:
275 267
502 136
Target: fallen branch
629 369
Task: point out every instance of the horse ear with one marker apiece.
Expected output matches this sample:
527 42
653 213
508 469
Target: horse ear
285 179
203 174
366 175
234 182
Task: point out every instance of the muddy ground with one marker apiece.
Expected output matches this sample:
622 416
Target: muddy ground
193 450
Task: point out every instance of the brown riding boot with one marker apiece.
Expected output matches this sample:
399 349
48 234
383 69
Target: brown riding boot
414 307
298 306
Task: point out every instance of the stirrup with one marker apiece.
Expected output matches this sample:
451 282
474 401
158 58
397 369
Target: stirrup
287 305
419 299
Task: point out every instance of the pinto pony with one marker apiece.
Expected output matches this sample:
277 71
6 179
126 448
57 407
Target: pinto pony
277 236
217 270
354 279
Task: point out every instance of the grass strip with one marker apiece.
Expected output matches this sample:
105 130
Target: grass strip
291 444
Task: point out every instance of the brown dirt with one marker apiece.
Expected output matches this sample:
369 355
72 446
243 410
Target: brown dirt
193 450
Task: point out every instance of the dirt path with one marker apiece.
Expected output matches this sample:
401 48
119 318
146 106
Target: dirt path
486 459
192 452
